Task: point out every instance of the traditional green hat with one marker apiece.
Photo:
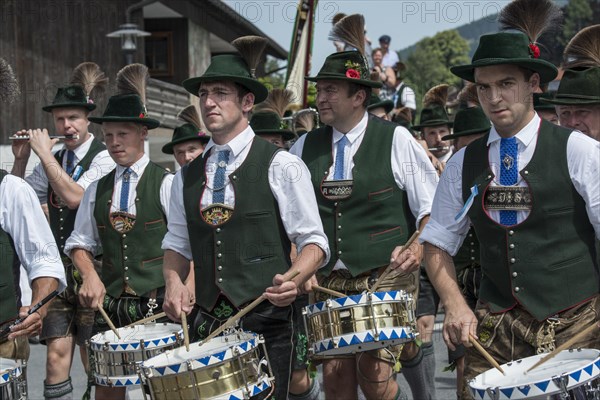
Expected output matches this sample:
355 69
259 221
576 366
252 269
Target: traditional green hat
376 102
128 105
530 18
506 48
235 68
434 108
71 96
86 77
539 104
350 66
270 123
469 121
185 133
578 87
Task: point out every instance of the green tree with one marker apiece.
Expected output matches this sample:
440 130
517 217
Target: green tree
274 74
578 15
430 63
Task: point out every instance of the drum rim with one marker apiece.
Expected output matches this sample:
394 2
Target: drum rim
148 343
167 369
592 362
340 302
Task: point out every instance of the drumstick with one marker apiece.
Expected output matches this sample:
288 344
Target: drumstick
485 354
231 321
148 319
108 321
186 335
388 270
328 291
565 346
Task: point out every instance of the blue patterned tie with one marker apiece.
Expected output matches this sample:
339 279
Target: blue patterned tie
219 183
338 172
70 161
125 190
509 171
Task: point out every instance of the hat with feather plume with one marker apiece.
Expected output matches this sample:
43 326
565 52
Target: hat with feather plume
267 118
350 66
86 77
434 108
129 105
239 68
523 22
580 83
192 129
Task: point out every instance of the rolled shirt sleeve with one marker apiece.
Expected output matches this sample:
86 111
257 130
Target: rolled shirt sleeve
23 218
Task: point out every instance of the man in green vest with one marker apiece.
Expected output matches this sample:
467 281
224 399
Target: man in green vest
530 190
59 181
124 215
374 185
23 241
241 205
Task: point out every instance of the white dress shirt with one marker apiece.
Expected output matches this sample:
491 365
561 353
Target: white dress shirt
85 234
412 170
583 160
23 219
101 165
290 184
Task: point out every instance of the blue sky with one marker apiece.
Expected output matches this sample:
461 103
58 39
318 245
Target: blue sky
405 21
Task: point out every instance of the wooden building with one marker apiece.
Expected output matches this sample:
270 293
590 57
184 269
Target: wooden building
45 39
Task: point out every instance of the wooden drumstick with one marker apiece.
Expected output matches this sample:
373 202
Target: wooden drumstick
186 335
108 321
328 291
231 321
565 345
485 354
148 319
388 270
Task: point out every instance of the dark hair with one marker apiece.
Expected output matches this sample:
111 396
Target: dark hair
353 88
242 91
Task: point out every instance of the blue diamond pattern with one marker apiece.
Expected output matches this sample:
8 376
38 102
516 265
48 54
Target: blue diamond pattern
244 346
5 378
114 346
234 397
220 355
255 391
175 368
356 298
135 345
379 295
403 334
481 393
524 389
369 338
507 392
394 334
597 363
204 360
156 342
341 301
576 375
589 369
543 385
342 343
124 346
355 340
161 370
383 336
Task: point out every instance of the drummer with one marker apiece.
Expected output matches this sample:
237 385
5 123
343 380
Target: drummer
21 237
539 284
242 217
367 228
123 215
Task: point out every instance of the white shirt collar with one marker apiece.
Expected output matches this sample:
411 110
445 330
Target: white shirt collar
235 145
137 168
525 135
353 133
81 150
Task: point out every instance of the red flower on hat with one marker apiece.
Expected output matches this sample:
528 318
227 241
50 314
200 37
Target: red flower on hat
534 50
352 74
201 134
142 115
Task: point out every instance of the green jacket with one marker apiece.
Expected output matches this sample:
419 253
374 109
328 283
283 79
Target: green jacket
9 281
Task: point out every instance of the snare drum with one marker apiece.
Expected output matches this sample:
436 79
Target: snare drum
362 322
226 367
571 374
13 385
114 360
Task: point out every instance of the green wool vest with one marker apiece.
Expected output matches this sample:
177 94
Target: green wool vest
240 257
468 254
548 262
8 281
134 258
62 219
363 229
